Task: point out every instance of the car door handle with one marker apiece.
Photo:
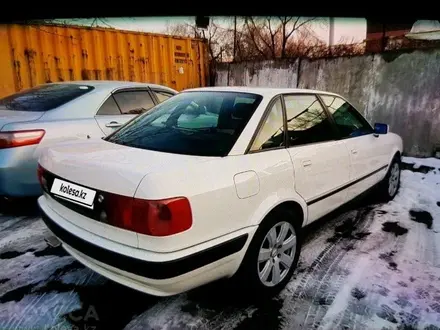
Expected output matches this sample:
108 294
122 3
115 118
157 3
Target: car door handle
113 124
354 151
307 163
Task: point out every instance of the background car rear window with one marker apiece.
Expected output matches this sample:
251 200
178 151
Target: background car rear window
203 123
134 102
44 97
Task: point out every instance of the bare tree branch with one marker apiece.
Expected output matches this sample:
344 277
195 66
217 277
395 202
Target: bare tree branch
294 28
272 38
251 31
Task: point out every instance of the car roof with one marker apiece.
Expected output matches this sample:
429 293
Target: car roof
113 84
264 91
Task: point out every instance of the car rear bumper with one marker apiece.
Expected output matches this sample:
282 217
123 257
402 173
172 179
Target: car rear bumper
18 172
161 278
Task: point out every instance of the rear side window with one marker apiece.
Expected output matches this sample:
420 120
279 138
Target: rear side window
271 134
202 123
109 107
44 97
134 102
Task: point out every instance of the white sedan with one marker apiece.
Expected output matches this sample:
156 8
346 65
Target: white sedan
213 183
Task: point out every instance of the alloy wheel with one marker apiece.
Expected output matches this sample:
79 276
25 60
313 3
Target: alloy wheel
276 254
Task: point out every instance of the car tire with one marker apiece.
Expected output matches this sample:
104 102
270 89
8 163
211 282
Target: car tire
389 186
265 255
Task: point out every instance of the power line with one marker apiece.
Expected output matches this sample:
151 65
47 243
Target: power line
54 33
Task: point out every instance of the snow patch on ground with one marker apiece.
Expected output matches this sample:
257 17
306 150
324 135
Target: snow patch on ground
82 276
38 311
431 161
163 316
400 273
26 232
183 312
28 265
344 296
419 192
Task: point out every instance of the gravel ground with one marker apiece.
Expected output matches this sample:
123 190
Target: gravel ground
368 266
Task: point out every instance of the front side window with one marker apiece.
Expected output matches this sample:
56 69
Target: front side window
271 134
349 122
203 123
307 121
44 97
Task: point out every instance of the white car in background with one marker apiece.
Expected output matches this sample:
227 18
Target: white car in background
213 183
38 117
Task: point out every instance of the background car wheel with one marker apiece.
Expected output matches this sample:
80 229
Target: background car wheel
390 185
272 255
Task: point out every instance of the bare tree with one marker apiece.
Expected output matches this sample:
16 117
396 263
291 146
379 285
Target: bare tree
218 38
266 38
262 34
305 44
345 47
289 25
183 30
271 35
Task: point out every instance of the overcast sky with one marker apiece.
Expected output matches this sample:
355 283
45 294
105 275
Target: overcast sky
345 28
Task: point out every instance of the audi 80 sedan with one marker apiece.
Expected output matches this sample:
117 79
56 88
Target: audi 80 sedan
213 183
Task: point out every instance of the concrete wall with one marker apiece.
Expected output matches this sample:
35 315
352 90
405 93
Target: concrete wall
402 90
256 74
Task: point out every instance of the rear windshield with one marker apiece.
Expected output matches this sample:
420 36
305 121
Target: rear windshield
192 123
44 97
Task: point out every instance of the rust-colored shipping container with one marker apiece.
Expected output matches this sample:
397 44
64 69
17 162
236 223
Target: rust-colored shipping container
35 54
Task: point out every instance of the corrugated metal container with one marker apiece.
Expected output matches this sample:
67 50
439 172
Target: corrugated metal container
35 54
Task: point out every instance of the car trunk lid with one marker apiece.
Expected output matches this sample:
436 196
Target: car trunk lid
102 169
16 116
109 167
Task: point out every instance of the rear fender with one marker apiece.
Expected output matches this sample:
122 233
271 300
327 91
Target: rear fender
275 199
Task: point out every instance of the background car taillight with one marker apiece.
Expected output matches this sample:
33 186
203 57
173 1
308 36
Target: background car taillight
156 218
13 139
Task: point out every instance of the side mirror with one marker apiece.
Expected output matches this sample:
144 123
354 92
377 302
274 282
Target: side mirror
380 129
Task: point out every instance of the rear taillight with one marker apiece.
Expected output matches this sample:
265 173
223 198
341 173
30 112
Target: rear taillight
156 218
13 139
